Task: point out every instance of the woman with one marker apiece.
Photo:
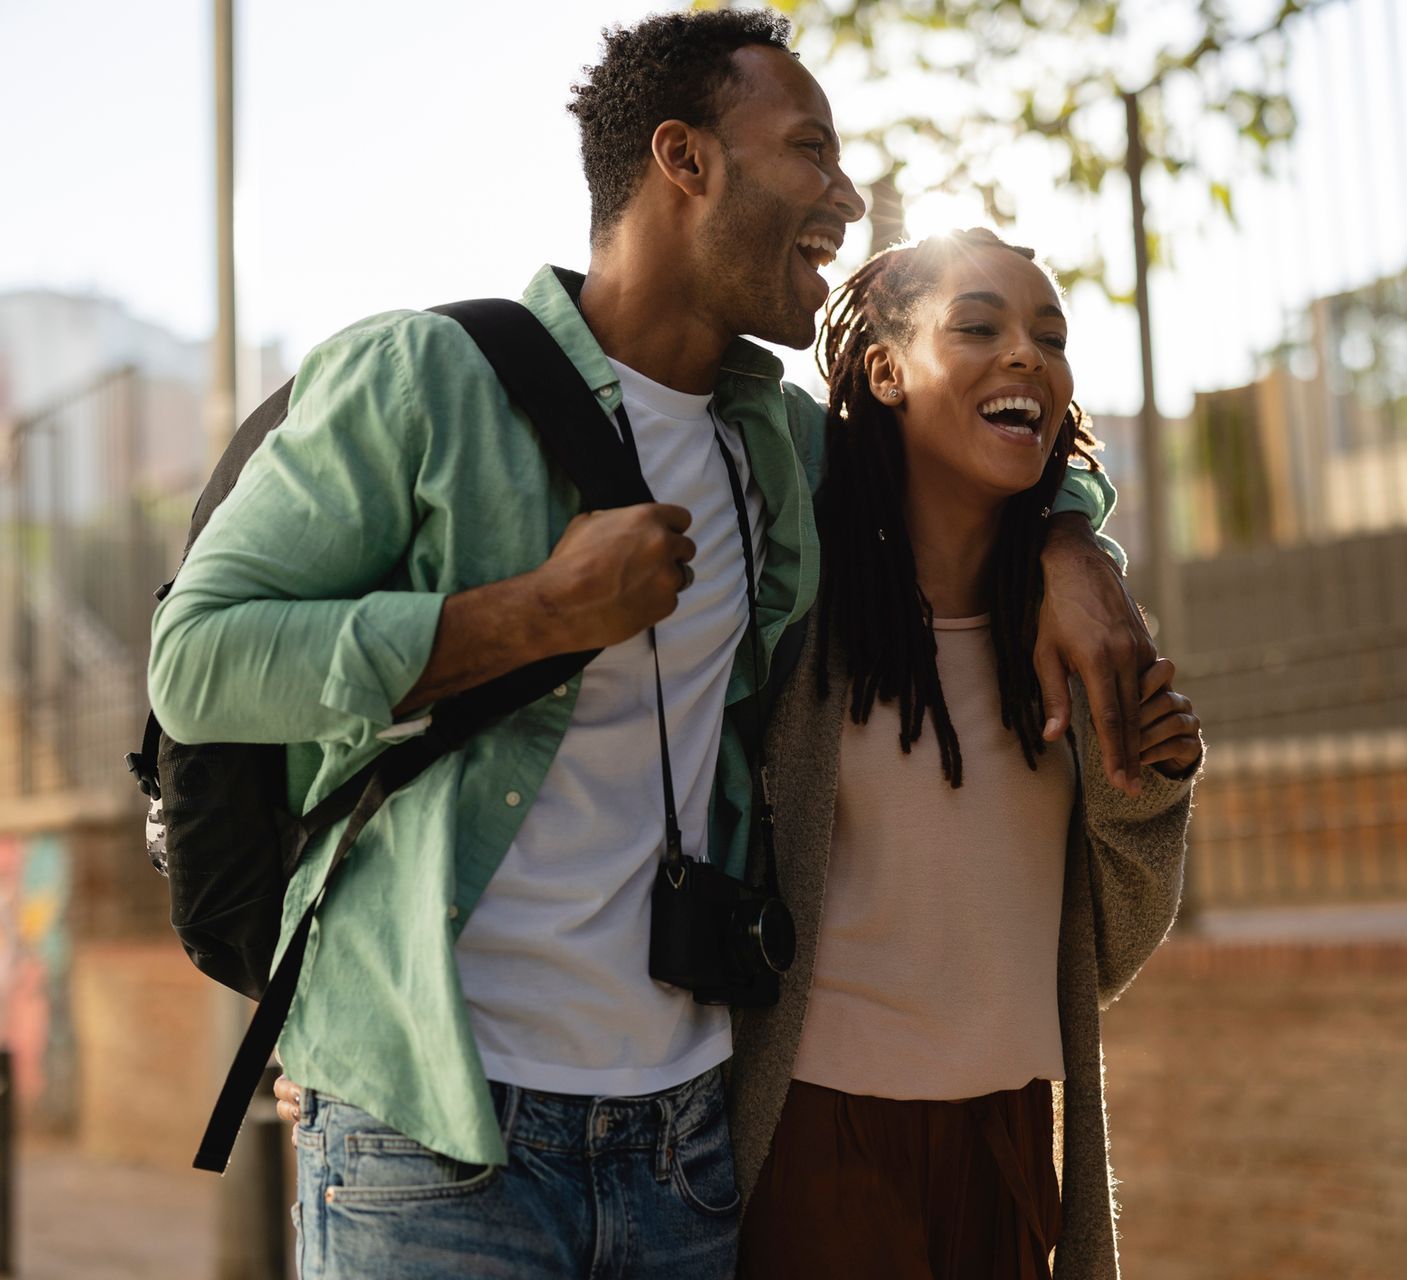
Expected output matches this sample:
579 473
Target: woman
965 909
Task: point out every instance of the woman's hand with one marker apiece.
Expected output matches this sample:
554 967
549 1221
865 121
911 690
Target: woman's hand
1169 738
290 1099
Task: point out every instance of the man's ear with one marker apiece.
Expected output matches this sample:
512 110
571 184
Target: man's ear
684 155
885 376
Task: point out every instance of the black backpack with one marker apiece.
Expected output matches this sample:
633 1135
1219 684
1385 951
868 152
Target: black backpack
230 844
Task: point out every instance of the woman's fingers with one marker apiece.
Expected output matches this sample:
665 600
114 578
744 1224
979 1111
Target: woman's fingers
1170 733
1174 755
1161 705
1157 675
290 1100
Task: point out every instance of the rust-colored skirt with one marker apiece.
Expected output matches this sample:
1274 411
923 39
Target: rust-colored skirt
857 1187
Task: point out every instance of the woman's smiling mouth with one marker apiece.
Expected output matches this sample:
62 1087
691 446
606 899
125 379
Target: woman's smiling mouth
1017 417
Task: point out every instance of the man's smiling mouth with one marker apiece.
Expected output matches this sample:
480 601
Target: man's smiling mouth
818 250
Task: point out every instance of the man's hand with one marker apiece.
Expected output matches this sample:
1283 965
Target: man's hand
1090 625
614 573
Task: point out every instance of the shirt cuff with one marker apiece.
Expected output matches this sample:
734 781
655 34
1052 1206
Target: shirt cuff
379 653
1089 492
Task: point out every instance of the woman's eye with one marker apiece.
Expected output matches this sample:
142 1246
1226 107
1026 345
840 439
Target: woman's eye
1056 340
984 330
818 147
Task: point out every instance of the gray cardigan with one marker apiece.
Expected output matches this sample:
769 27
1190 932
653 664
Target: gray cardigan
1123 878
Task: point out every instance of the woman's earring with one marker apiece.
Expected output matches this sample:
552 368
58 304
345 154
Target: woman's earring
892 393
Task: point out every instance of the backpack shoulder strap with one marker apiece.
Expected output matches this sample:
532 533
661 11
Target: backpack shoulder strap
577 435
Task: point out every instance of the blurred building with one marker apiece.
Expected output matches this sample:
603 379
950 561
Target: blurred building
102 451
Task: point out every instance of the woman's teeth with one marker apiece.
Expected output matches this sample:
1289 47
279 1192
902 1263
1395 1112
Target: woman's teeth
1013 413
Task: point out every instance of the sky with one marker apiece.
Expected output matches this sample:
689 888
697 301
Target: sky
393 156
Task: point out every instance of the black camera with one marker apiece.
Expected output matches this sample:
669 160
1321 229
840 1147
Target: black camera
715 936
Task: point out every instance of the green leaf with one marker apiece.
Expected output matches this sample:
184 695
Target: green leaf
1221 193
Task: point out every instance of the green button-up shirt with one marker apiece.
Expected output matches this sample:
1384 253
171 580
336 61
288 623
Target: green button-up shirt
307 609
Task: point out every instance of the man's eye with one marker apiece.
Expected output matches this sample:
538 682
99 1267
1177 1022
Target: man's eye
818 147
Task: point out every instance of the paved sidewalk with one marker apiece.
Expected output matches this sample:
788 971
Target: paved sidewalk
77 1218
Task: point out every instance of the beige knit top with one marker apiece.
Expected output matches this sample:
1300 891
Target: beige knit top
936 962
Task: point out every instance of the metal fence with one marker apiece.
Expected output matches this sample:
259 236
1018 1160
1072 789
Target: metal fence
1289 497
79 554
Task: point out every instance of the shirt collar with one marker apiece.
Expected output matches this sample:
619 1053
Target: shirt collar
552 296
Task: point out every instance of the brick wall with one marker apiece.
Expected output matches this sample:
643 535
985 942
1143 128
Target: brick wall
1258 1103
149 1051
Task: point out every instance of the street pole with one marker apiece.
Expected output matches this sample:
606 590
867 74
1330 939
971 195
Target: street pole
220 405
251 1220
1159 567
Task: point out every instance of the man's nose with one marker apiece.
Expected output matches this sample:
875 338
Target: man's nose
849 203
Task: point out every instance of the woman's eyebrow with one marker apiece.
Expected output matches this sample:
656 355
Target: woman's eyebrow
997 301
991 299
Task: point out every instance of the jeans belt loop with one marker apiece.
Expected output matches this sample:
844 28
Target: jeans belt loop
511 1097
664 1148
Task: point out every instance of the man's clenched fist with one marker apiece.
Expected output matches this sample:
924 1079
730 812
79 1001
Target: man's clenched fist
614 573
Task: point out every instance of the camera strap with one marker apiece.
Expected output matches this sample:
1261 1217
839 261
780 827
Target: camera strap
673 841
759 736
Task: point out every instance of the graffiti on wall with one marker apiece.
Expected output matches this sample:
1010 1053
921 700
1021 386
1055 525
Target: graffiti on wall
36 1022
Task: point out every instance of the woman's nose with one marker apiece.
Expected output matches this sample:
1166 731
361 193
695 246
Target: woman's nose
1025 355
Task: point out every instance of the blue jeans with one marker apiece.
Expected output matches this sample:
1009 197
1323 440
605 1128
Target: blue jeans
625 1188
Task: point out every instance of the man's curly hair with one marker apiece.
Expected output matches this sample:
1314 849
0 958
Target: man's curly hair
672 66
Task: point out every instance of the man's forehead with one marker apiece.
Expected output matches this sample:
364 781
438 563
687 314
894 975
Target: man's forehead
772 80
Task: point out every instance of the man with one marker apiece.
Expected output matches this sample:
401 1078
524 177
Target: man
491 1083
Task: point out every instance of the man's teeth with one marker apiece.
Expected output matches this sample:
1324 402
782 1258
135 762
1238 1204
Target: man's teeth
823 249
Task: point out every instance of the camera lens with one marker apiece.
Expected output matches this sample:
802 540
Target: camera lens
768 926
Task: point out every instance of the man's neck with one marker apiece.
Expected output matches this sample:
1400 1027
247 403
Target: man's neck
637 310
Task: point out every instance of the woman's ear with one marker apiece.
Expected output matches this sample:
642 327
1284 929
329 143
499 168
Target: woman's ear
885 376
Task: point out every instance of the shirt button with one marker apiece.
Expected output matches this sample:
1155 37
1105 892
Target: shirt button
604 393
513 799
560 691
453 912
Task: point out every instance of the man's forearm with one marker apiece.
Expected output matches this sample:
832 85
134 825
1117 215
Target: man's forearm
484 633
613 574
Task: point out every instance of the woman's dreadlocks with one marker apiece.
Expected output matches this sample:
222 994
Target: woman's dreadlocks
870 593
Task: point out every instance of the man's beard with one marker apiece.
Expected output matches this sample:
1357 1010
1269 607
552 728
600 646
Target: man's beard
748 244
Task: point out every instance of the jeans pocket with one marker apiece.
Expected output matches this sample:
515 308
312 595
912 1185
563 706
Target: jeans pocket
701 1170
387 1167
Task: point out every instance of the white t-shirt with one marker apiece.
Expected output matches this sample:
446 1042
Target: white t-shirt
554 958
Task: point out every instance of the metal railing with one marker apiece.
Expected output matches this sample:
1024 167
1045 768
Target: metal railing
78 555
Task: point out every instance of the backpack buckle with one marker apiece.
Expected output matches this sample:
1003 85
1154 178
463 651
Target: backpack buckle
146 776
